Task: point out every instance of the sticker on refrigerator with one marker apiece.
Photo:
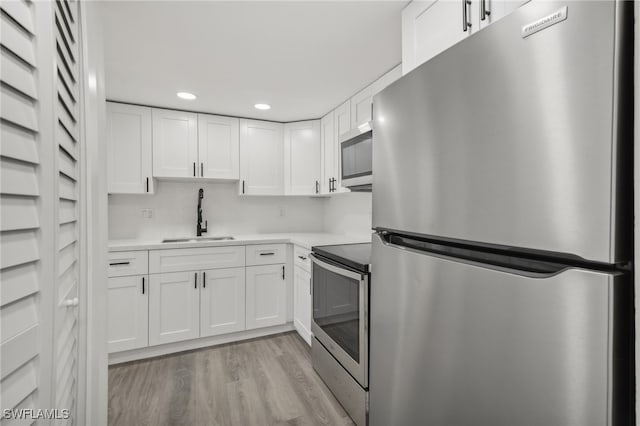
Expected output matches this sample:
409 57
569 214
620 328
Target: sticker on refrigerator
542 23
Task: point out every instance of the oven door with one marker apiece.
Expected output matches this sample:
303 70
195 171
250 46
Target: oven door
340 315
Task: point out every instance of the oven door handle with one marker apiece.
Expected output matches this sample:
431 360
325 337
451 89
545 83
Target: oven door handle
336 269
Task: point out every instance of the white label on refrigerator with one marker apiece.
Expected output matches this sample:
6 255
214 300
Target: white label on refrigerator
542 23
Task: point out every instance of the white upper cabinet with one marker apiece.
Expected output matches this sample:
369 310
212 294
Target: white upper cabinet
342 119
261 158
388 78
302 158
218 147
361 104
430 27
175 143
329 153
129 149
492 10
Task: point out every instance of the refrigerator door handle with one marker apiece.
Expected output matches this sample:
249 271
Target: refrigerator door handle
506 262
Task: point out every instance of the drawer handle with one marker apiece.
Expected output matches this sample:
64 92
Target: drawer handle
302 257
118 263
267 254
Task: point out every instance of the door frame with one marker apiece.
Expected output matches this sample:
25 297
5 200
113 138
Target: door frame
93 359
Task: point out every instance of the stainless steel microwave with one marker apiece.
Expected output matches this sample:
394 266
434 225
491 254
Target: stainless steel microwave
356 147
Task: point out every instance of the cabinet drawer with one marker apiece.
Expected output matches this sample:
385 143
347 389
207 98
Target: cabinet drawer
195 259
266 254
124 263
301 258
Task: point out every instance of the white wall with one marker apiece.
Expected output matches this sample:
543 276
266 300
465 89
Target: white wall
174 212
348 213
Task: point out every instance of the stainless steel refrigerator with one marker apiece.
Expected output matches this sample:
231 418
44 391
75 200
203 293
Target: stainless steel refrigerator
501 290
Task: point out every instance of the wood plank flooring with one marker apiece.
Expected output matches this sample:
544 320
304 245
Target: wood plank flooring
265 381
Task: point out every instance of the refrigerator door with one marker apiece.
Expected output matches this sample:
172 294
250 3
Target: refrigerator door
457 344
509 140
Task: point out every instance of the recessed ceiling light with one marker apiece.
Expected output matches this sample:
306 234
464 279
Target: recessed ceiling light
262 106
186 95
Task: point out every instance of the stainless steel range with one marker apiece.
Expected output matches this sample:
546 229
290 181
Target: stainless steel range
340 323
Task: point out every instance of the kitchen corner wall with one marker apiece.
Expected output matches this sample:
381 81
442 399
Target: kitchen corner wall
174 212
348 213
173 208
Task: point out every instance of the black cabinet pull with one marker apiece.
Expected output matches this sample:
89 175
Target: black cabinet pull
194 169
204 280
283 272
201 169
142 285
317 187
302 258
243 187
484 12
147 184
195 280
267 254
118 263
465 20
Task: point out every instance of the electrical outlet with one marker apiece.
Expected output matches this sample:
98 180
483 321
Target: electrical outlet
147 213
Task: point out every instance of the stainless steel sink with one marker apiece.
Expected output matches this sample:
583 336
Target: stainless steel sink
197 239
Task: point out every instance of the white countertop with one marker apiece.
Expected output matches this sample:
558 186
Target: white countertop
306 240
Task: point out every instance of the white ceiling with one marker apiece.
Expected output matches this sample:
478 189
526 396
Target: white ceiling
302 57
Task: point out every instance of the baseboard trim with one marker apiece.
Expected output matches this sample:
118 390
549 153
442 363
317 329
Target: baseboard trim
187 345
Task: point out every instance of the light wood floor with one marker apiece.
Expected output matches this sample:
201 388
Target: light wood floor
265 381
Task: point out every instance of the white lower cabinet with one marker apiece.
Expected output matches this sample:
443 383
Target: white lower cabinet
174 304
266 298
128 310
222 301
302 303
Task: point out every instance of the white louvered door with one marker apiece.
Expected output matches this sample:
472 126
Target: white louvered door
20 316
67 137
39 196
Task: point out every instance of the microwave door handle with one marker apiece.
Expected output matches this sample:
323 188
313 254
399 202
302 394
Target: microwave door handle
335 269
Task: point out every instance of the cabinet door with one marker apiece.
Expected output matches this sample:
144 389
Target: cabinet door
128 149
389 77
175 143
261 158
266 296
361 104
302 157
174 302
128 313
302 303
218 147
328 147
495 10
430 27
222 307
342 124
